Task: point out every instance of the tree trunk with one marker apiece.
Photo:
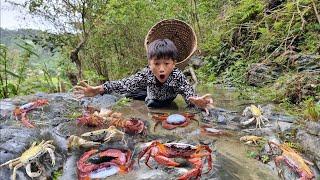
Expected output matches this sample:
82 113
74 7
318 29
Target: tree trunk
74 56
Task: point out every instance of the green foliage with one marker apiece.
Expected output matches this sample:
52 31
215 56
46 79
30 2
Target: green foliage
251 154
312 110
265 158
57 174
246 10
123 102
73 115
231 34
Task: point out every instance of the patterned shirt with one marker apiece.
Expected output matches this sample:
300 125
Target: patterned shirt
145 79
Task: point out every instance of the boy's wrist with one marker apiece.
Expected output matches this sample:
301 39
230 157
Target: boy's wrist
100 89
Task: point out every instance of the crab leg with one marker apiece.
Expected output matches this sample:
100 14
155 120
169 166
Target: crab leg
11 161
165 161
25 121
52 156
248 121
13 177
154 128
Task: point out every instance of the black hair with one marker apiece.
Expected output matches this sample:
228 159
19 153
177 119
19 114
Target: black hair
162 48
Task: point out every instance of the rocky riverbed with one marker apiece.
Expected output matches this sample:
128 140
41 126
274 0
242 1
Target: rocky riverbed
231 158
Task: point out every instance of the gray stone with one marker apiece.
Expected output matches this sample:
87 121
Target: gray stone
318 164
282 117
313 128
284 126
69 170
260 74
310 143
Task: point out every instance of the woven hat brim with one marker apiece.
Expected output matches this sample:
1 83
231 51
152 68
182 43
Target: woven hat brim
180 33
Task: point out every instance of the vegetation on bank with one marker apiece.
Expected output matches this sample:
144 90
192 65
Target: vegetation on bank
236 39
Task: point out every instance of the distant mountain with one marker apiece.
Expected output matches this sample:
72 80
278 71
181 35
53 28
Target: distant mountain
9 37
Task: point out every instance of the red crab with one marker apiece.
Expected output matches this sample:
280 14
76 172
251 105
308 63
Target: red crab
91 120
24 109
174 120
93 161
194 154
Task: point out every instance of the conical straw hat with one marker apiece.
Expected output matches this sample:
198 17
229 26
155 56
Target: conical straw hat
180 33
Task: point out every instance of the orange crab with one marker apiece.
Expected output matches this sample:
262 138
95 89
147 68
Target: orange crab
109 118
293 160
174 120
24 109
90 120
130 126
95 164
163 152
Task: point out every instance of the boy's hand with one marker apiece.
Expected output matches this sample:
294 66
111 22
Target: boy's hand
203 102
85 90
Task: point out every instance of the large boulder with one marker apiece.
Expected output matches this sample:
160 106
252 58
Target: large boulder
260 74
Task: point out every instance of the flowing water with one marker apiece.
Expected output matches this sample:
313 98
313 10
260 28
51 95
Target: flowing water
230 159
229 156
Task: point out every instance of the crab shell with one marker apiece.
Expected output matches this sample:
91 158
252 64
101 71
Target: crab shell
173 121
134 126
294 161
90 120
29 106
31 155
120 158
163 152
36 151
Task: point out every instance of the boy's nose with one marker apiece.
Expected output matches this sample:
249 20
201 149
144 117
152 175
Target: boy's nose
161 68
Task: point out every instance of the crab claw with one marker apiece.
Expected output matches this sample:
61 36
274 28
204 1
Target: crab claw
77 142
25 121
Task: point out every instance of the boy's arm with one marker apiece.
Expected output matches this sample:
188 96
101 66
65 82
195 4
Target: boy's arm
126 85
187 91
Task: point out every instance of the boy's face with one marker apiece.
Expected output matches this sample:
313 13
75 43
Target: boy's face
162 68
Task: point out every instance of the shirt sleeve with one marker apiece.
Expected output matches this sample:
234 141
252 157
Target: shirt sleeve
127 85
185 88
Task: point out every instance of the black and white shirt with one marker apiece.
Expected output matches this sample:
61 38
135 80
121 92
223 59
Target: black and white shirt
145 79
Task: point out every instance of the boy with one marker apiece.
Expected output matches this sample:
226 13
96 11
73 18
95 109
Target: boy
162 80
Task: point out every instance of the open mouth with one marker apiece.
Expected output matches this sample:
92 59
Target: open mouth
162 76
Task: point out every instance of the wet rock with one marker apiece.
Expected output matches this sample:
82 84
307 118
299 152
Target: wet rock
311 144
306 63
282 117
16 140
6 108
301 86
69 168
98 101
284 126
152 174
197 61
313 128
260 74
220 116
